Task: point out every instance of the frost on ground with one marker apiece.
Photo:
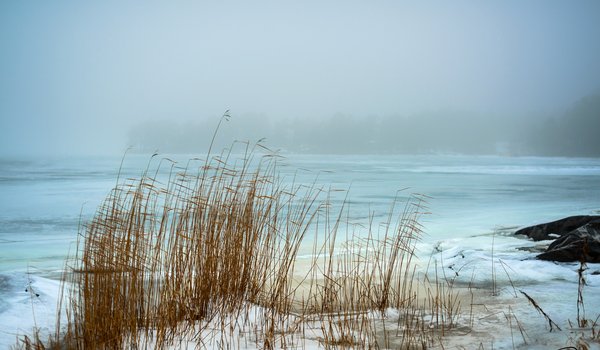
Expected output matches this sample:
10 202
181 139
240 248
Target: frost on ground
28 305
506 320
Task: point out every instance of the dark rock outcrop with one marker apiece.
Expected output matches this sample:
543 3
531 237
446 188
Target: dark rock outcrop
581 244
559 227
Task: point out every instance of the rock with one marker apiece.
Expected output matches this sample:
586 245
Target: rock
534 249
581 244
555 229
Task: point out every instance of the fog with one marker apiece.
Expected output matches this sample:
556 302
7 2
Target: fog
311 76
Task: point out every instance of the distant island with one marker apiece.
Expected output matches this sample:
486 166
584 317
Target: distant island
572 134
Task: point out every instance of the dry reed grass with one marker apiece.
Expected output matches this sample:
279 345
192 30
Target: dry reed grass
209 253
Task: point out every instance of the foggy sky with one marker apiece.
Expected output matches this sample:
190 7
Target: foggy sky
75 76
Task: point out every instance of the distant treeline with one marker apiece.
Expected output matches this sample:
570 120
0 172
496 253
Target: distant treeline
576 133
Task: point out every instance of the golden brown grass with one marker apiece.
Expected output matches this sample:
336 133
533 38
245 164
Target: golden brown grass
196 253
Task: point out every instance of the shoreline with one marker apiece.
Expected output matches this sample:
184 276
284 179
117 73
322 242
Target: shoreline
506 320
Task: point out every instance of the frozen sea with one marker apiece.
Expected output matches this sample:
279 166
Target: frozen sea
475 203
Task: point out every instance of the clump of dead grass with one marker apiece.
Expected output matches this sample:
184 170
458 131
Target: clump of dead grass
208 253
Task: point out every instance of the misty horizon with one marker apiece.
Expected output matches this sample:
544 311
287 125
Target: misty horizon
79 78
458 132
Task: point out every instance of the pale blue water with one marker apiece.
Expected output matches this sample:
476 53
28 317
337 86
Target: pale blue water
42 202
